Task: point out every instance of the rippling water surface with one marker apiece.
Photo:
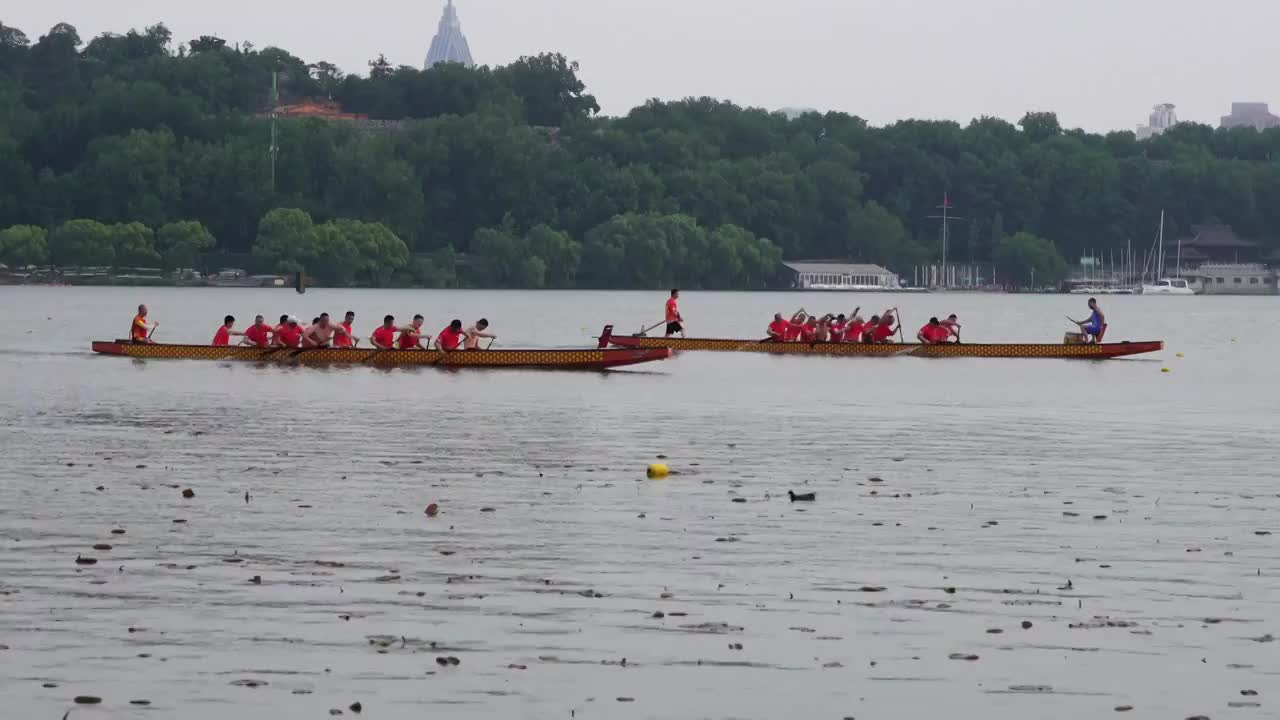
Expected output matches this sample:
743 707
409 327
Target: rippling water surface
990 538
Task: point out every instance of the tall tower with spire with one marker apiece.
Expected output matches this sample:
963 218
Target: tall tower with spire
449 44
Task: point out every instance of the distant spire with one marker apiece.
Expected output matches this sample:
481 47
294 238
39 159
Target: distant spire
449 44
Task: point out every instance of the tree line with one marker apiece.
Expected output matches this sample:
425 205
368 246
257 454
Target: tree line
508 176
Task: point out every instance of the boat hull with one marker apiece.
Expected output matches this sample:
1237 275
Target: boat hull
583 359
1099 351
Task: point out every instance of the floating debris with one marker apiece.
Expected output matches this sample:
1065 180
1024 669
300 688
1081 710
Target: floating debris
962 656
801 497
355 707
433 510
188 493
81 560
87 700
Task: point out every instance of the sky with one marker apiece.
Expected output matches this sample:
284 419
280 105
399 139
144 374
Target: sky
1100 64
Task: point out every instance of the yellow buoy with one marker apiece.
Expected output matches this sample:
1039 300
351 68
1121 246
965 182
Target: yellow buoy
1179 354
1164 369
657 471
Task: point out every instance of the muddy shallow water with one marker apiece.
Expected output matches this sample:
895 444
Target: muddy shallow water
990 538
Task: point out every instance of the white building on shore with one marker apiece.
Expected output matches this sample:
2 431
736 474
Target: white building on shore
1162 118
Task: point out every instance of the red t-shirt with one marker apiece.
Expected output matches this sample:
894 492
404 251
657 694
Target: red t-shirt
340 340
450 339
259 335
222 336
408 340
808 334
780 329
837 331
290 335
854 332
882 332
793 331
385 336
673 313
941 333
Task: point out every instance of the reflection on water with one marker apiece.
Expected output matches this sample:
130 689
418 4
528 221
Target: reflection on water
989 538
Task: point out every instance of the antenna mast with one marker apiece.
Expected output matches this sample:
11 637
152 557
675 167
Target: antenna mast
946 218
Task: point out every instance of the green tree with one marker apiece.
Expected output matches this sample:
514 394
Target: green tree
1040 126
549 87
134 245
1023 259
181 243
287 239
559 255
83 243
23 245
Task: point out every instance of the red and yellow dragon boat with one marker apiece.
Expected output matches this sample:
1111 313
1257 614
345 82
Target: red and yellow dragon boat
1065 350
583 359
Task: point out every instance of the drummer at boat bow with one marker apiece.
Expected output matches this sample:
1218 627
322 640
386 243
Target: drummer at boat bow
322 332
474 333
222 337
138 331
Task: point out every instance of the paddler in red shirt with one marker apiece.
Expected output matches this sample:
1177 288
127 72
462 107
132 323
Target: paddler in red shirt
384 336
347 338
289 334
222 337
411 335
837 328
675 323
933 333
450 338
854 330
778 329
138 332
953 327
258 334
796 326
809 330
883 328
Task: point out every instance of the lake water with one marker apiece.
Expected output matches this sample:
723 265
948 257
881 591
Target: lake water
1130 516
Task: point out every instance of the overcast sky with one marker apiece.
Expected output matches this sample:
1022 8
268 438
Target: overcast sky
1100 64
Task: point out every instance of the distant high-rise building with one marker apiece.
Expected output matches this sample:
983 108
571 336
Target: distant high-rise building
449 44
1162 118
1250 114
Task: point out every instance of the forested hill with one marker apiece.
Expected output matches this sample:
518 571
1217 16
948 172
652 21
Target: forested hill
141 140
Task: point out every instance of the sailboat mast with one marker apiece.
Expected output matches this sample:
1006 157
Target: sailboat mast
1160 254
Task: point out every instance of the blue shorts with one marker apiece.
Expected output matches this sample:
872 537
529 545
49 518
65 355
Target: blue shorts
1093 329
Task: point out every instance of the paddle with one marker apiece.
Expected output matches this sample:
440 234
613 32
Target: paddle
646 330
486 347
897 315
153 330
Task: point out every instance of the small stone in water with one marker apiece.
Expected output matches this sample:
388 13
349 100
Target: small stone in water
659 615
87 700
117 531
1026 624
355 707
101 546
188 493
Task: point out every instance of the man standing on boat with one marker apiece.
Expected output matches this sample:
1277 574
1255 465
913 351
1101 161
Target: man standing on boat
1096 325
675 323
138 331
474 333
